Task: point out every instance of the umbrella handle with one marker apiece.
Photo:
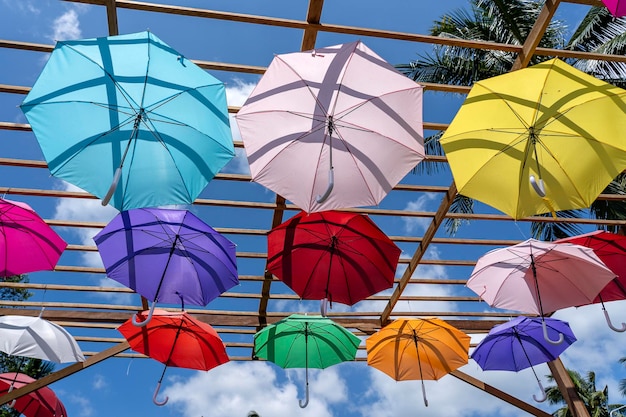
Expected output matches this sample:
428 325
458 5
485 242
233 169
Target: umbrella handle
156 393
545 335
12 404
608 321
147 320
116 180
331 183
424 394
544 396
538 186
323 306
304 403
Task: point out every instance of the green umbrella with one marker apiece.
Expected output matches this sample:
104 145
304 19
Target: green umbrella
301 341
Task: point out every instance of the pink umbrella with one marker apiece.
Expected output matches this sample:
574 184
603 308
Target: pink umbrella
27 243
341 108
538 277
616 7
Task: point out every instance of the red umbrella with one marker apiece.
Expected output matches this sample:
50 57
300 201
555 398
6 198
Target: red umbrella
40 403
175 339
338 256
611 249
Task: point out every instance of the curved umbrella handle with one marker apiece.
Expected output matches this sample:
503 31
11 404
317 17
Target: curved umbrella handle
147 320
12 403
116 180
156 393
608 321
539 187
331 183
544 396
304 403
545 335
424 394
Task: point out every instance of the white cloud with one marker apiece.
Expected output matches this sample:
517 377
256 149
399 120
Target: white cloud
234 389
84 404
414 224
237 92
99 382
28 7
66 26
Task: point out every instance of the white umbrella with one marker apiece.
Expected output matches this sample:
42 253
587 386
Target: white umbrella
35 337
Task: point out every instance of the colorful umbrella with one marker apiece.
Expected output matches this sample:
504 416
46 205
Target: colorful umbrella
616 7
544 138
42 402
34 337
519 344
27 243
338 256
176 339
301 341
168 255
131 109
611 249
417 349
538 277
341 108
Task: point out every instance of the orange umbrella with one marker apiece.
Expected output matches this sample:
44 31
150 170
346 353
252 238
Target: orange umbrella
417 349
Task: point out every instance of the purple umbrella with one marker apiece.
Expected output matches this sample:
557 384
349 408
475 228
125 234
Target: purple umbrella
167 256
520 344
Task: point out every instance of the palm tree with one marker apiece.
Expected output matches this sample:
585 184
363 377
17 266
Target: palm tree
510 22
596 402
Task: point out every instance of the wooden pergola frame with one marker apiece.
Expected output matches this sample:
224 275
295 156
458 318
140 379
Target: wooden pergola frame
99 316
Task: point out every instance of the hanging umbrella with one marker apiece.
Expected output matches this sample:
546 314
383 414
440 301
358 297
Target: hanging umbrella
176 339
519 344
611 249
538 277
27 243
331 255
341 108
616 7
130 109
168 255
302 341
537 140
417 349
34 337
42 402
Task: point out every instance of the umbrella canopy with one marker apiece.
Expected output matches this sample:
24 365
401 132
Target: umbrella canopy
611 249
176 339
616 7
166 255
417 349
27 243
303 341
40 403
343 257
331 128
157 123
538 277
544 138
519 344
35 337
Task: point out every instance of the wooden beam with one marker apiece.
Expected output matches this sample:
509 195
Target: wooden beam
499 394
568 390
112 18
313 16
536 33
67 371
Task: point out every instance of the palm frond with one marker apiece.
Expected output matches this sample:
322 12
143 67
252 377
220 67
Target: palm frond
462 205
550 231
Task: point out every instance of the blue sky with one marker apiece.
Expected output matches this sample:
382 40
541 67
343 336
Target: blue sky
124 387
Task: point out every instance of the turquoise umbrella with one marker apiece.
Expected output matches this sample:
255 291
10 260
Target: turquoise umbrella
130 120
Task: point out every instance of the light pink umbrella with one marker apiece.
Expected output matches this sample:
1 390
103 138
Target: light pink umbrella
538 277
616 7
332 128
27 243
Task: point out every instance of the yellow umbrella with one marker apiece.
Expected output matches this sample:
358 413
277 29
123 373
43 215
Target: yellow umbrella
417 349
541 139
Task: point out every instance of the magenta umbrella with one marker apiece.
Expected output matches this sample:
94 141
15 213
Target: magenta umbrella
616 7
332 128
27 243
538 277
